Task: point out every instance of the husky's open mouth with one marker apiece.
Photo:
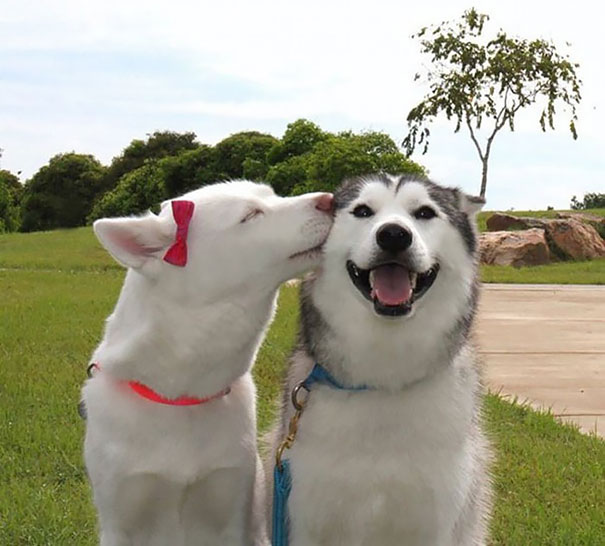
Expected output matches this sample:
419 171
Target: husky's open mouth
392 287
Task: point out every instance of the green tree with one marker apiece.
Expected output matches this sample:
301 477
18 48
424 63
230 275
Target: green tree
10 199
241 154
136 192
233 151
472 81
160 144
287 174
6 209
61 194
347 154
189 170
254 169
300 137
336 157
12 182
590 201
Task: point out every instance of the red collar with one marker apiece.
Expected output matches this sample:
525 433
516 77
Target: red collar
146 392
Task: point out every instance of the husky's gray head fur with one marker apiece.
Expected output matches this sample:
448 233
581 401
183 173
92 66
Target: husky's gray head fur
399 278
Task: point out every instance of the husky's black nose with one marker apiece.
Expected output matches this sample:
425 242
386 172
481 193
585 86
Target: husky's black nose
394 238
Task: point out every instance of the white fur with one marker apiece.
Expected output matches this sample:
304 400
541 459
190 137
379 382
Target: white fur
394 465
184 476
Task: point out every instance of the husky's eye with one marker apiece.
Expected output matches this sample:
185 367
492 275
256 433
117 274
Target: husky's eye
254 213
425 213
362 211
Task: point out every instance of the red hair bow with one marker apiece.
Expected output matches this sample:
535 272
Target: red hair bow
177 253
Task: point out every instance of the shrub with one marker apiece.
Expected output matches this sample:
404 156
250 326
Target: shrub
136 192
233 151
300 138
160 144
590 201
344 155
61 194
10 198
288 174
189 170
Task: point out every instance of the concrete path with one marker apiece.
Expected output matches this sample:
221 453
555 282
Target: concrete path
546 344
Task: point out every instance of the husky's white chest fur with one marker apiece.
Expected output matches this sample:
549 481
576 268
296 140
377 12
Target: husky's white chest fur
391 308
372 467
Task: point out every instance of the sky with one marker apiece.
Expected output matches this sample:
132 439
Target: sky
90 76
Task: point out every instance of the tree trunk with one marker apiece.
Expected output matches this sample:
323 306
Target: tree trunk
483 177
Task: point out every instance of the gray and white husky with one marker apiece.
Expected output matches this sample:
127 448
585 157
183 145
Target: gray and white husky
403 460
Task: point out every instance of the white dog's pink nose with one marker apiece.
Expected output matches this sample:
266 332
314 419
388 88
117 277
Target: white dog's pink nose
325 202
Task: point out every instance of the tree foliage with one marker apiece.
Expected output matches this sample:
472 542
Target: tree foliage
241 155
334 157
233 151
61 194
477 83
590 201
300 137
136 192
160 144
305 159
189 170
10 199
174 174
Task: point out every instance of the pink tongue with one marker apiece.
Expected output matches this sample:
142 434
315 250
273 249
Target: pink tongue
391 284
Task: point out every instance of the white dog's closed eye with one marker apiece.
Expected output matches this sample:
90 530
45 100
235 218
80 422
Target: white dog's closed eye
252 214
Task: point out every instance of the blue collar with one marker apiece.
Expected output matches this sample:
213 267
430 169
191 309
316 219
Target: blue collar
322 376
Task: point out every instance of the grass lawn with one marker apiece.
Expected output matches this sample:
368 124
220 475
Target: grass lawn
64 249
549 478
589 272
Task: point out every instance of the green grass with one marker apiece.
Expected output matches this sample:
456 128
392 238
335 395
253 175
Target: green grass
57 290
548 477
588 272
50 321
66 249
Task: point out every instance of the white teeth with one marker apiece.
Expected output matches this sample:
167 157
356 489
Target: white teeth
413 279
372 279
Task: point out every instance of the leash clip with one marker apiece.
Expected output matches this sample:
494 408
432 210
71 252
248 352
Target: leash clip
299 406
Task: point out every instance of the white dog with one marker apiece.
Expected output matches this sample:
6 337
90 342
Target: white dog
170 442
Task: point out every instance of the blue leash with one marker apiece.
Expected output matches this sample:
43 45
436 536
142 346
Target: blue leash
282 484
282 478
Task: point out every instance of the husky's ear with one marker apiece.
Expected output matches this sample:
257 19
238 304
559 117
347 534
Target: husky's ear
470 204
133 241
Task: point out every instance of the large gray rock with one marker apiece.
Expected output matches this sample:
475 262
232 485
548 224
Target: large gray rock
518 248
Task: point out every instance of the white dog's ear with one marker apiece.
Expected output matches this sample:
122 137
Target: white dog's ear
133 241
470 204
